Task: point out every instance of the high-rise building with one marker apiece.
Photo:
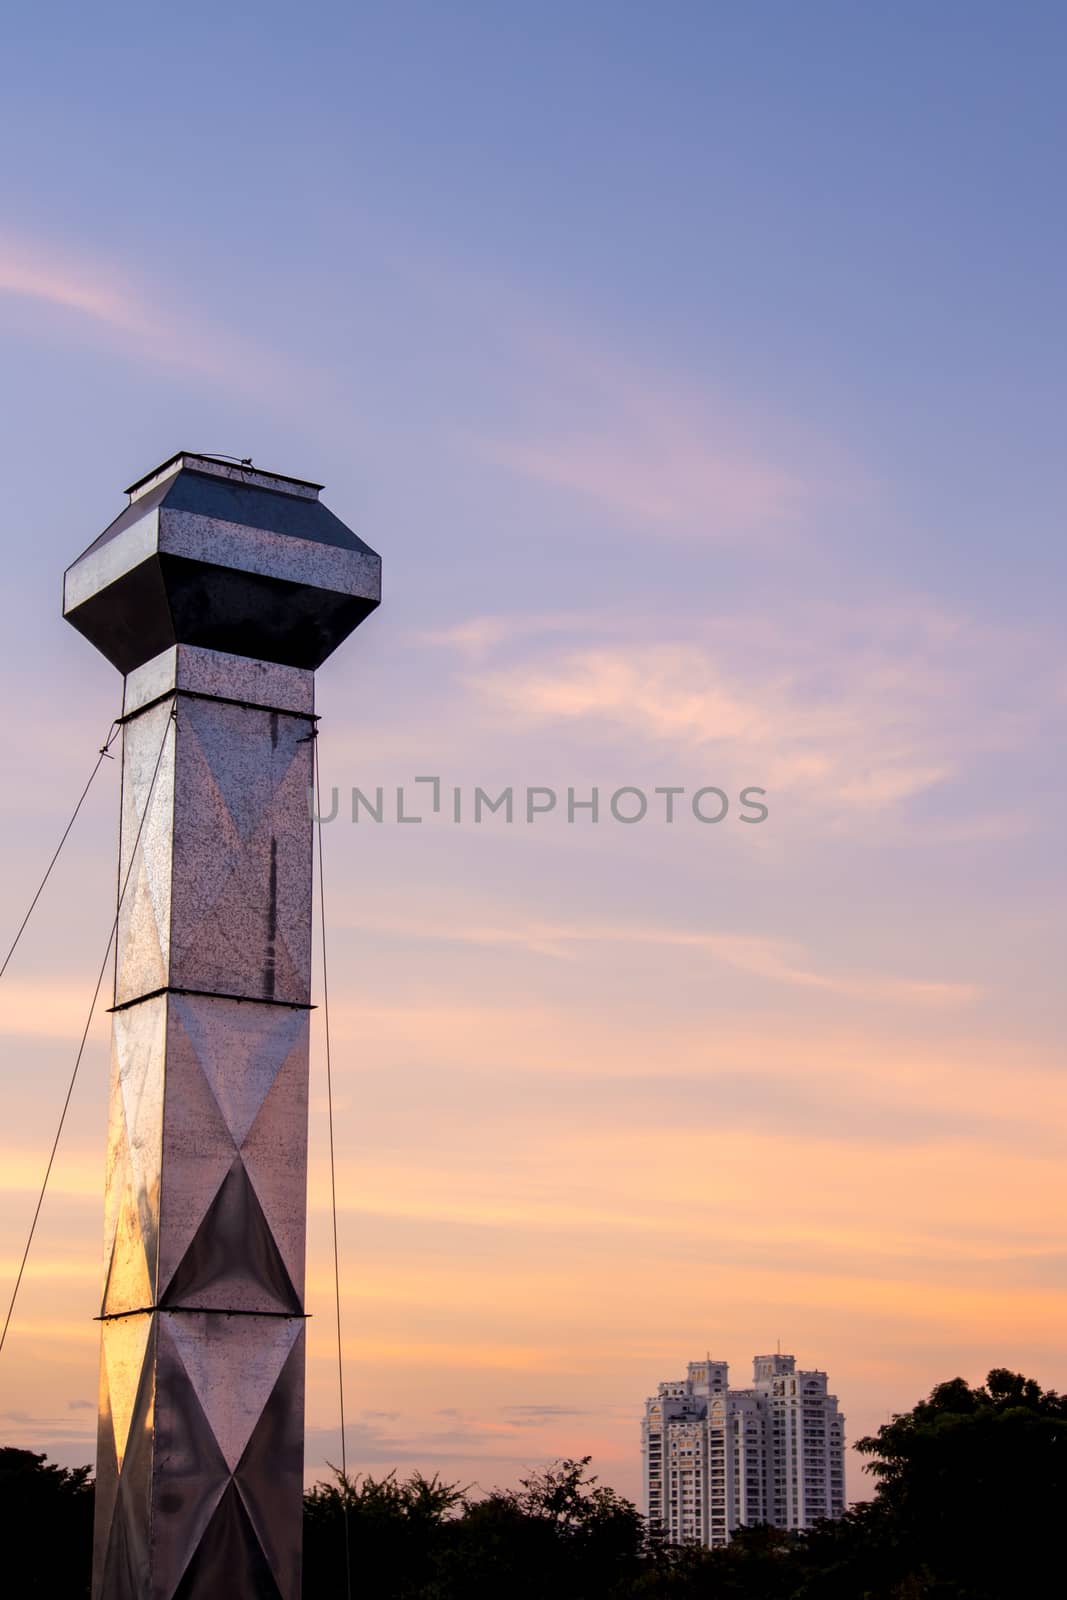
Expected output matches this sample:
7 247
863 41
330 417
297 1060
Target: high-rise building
715 1459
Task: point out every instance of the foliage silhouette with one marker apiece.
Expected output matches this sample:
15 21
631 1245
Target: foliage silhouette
394 1533
969 1487
46 1525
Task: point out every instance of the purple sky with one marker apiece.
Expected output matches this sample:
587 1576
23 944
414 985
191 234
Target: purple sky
699 374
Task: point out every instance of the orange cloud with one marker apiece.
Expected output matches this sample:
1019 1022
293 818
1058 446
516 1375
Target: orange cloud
46 1008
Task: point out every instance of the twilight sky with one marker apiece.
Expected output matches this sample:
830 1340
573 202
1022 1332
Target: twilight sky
698 371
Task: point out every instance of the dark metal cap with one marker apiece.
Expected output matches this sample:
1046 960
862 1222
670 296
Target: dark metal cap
226 557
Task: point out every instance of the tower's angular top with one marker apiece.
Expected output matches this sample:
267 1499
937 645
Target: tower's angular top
226 557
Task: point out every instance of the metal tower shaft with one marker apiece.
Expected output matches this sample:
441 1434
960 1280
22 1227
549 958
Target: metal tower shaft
200 1460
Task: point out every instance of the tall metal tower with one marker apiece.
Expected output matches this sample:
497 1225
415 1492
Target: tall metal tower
217 593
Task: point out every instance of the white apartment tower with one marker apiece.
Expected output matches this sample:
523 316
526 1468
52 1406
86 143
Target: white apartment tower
715 1459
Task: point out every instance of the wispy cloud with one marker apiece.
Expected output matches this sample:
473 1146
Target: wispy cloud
672 475
776 960
26 272
659 451
853 712
647 443
103 297
537 1414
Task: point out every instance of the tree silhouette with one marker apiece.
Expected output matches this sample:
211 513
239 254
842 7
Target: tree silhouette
969 1487
46 1525
560 1534
971 1484
391 1530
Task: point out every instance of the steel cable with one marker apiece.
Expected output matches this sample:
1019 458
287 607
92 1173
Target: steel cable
85 1033
105 750
333 1173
